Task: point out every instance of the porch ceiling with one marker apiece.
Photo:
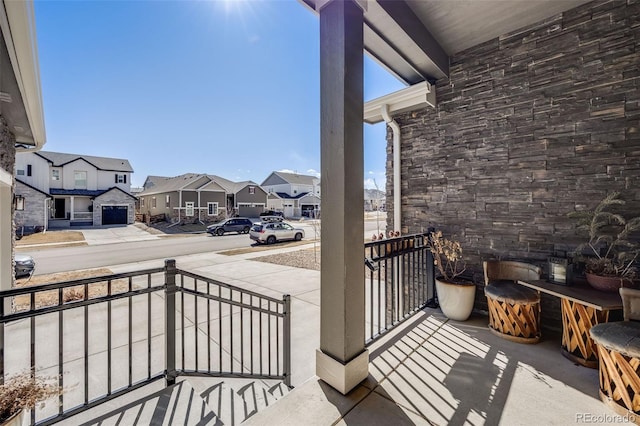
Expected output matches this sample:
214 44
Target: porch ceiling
413 39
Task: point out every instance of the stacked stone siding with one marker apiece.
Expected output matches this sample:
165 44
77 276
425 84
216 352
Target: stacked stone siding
33 215
528 127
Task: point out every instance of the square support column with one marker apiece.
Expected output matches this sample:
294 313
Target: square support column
342 360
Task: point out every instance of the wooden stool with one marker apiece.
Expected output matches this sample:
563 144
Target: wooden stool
514 311
619 366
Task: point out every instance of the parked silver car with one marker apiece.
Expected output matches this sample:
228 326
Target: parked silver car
25 265
269 233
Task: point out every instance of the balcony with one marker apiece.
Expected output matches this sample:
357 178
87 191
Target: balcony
423 368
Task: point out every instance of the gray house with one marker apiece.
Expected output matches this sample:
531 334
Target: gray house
186 198
197 197
245 198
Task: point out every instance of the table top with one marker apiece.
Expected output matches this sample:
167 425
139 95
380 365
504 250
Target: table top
581 293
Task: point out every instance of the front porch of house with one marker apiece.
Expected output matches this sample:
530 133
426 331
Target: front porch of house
430 370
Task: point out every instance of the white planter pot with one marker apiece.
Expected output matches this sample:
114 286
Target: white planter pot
456 300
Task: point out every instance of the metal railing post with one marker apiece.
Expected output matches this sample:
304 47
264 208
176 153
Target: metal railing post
170 321
286 340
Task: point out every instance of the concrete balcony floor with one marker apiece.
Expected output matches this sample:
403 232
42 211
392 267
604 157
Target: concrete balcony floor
436 371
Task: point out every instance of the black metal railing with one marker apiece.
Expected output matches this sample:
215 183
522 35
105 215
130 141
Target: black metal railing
399 282
105 336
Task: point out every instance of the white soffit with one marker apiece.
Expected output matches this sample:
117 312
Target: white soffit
17 20
410 98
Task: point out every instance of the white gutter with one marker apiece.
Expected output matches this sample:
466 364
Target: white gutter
397 196
17 22
420 95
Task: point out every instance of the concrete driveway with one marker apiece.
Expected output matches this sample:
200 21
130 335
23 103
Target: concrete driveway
116 234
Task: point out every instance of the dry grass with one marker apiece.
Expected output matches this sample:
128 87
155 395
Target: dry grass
50 298
49 237
307 259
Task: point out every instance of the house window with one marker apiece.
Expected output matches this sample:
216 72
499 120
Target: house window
153 202
142 202
252 190
55 174
20 172
189 208
212 209
28 169
167 201
121 178
80 179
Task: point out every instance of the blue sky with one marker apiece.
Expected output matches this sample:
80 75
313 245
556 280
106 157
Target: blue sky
221 87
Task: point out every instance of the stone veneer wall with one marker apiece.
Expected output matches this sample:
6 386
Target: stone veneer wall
33 215
528 127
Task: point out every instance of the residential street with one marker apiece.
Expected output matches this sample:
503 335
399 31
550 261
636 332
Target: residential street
114 252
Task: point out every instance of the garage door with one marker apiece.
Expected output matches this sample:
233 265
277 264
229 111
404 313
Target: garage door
248 211
114 215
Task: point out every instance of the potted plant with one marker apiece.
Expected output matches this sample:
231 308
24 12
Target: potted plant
22 392
611 252
455 294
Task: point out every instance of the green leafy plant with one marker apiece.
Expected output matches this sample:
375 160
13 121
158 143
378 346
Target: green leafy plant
23 391
447 257
611 251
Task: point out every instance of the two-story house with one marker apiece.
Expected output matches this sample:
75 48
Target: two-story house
293 194
56 190
197 197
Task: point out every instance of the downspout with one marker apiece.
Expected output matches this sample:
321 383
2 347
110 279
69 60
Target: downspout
397 196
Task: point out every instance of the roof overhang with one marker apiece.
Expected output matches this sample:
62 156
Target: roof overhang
411 98
23 110
414 39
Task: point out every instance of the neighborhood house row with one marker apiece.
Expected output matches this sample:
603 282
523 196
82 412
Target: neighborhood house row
59 190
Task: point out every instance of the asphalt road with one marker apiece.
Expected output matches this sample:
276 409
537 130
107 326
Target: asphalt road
63 259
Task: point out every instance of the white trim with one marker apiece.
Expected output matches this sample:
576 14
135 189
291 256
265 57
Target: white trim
210 203
189 207
251 204
414 97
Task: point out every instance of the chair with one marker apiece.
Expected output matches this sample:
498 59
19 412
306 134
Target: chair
514 310
619 358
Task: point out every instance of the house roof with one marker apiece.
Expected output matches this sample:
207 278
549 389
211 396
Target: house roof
230 186
115 188
286 196
59 159
415 39
78 192
291 178
170 184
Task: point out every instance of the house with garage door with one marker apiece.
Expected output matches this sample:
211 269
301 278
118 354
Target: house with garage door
59 190
199 197
293 194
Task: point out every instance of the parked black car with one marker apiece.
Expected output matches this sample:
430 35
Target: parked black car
241 225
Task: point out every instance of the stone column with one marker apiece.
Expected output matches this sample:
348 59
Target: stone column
342 360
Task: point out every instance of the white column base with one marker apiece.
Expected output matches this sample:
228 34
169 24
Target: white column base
342 377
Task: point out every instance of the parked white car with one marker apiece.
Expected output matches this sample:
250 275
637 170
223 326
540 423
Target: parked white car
269 233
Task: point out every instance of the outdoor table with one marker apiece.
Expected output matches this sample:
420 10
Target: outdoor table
582 308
